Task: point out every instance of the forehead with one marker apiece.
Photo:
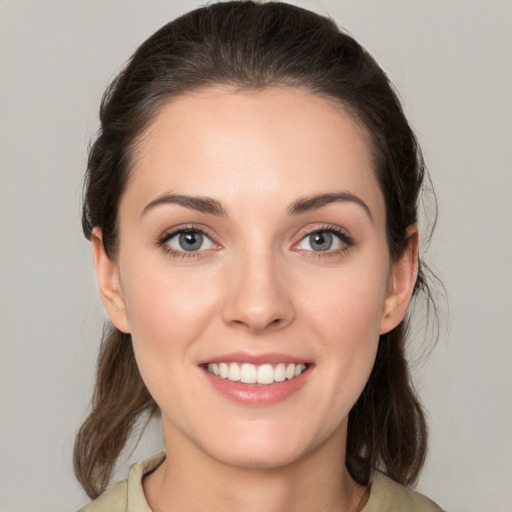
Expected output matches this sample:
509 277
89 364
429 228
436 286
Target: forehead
245 145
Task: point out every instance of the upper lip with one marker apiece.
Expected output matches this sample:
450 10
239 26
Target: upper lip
256 359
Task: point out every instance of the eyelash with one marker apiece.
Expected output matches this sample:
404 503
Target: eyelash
162 242
342 235
346 240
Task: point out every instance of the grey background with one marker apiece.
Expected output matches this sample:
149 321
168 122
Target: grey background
451 62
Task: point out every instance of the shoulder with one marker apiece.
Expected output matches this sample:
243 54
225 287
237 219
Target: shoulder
113 500
389 496
127 496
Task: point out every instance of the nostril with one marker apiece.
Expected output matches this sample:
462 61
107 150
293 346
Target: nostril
257 325
257 308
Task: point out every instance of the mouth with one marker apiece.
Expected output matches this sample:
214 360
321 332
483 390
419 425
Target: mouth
257 380
264 374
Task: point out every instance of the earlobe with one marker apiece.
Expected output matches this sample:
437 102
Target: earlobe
402 280
107 277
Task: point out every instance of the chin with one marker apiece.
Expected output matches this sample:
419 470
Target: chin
268 449
269 458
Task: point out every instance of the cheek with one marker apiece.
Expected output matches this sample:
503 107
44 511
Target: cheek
167 314
167 311
349 304
346 316
166 308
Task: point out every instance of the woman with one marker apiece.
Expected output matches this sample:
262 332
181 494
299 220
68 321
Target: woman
252 203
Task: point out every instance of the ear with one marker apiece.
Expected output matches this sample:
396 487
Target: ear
401 283
107 277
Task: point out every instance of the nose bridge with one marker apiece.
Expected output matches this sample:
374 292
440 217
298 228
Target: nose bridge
257 297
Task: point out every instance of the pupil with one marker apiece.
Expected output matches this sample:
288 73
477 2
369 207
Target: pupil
191 241
321 241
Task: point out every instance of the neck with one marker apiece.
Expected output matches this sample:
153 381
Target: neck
190 480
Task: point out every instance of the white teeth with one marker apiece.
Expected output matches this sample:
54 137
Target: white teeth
280 372
252 374
248 373
223 370
265 374
234 372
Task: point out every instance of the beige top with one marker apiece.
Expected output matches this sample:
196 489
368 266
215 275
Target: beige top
128 496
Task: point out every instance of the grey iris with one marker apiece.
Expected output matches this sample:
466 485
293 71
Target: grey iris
191 241
321 241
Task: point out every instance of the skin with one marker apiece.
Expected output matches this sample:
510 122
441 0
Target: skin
258 287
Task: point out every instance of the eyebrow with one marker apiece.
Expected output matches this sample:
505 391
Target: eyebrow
201 204
214 207
307 204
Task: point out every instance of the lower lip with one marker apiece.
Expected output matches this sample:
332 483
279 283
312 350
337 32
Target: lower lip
257 394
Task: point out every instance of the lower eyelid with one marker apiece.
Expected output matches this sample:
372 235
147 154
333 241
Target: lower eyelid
164 240
343 242
205 238
343 239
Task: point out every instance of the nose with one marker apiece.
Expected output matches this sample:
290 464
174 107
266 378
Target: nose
257 296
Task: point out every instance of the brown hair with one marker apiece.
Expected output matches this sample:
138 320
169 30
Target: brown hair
249 45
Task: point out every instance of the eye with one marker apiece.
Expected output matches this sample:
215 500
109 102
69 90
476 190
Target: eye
188 240
324 240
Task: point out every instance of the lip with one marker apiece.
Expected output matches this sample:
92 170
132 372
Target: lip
256 395
256 359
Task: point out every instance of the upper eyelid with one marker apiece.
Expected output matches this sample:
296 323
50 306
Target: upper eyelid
344 238
163 242
339 231
172 232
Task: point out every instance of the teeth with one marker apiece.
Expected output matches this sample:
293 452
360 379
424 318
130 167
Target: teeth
290 371
252 374
265 374
280 372
234 372
223 370
248 373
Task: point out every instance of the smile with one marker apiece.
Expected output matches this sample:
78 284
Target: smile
248 373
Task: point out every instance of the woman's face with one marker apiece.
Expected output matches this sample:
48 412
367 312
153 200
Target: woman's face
252 244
